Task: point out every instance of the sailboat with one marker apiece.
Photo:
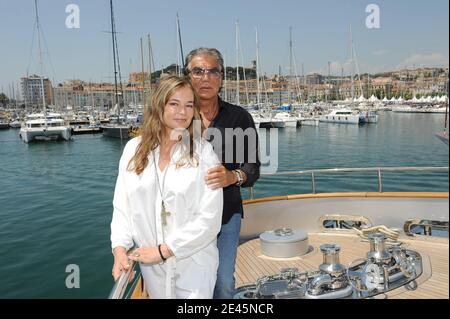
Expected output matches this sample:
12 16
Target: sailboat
288 118
44 126
367 116
118 127
258 117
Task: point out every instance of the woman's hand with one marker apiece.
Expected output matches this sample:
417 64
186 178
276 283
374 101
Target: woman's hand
121 262
146 255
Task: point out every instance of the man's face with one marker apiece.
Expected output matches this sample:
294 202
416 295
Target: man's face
207 83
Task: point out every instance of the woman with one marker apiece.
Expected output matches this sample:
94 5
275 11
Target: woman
161 202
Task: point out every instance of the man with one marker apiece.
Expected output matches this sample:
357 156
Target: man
205 69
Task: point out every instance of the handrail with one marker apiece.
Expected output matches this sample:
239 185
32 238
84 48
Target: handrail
364 169
347 170
120 286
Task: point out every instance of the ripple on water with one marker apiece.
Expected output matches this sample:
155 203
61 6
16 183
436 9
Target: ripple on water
56 198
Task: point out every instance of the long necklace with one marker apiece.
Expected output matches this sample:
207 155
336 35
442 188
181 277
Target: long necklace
164 212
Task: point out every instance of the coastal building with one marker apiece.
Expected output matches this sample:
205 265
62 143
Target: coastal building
32 90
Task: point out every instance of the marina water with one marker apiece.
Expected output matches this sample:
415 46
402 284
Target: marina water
56 197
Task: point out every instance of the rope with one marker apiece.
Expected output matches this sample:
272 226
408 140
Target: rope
390 233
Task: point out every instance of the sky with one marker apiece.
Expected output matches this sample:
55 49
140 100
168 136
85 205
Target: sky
411 33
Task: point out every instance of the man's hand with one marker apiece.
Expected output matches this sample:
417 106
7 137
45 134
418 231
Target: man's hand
219 177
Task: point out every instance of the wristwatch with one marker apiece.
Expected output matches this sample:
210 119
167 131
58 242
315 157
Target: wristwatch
240 178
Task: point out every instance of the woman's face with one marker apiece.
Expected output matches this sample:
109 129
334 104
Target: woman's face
179 109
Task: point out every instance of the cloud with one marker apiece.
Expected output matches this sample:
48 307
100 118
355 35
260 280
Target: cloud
425 60
380 52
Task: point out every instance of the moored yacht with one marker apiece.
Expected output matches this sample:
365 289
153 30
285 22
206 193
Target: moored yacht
118 127
309 121
50 126
288 119
116 130
345 116
256 119
15 124
368 117
260 120
3 124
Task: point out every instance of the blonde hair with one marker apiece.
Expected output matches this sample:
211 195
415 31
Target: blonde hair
152 129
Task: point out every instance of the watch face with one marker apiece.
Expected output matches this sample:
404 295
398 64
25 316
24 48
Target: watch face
239 177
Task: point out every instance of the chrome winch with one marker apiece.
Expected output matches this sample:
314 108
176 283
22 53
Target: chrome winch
383 269
332 282
288 284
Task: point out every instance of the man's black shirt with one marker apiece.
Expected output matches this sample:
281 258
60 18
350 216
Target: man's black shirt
231 120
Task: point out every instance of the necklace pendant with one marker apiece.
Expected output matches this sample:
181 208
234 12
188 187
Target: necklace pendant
164 214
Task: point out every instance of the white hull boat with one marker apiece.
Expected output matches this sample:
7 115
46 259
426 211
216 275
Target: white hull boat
341 116
45 127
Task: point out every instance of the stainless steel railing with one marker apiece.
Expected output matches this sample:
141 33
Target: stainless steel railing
126 278
378 170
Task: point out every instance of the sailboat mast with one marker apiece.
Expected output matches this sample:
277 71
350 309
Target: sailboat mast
134 87
149 70
351 68
116 98
14 95
225 78
290 65
355 60
258 93
328 81
279 80
237 63
40 58
144 97
181 43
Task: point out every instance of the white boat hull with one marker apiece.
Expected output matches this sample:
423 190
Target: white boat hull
15 125
117 131
371 118
290 123
278 123
342 119
309 122
50 133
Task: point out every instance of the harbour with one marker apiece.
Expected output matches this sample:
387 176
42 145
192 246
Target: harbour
56 197
352 200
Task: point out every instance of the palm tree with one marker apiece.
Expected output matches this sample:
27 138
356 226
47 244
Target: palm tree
3 99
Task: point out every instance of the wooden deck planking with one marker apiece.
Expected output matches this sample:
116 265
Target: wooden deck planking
251 264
